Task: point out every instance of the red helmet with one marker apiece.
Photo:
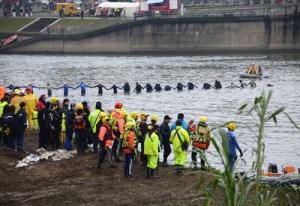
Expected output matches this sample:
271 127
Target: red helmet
43 96
28 90
118 105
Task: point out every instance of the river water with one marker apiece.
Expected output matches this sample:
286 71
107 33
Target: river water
282 141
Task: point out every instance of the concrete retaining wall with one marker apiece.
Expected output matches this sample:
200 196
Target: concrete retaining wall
202 35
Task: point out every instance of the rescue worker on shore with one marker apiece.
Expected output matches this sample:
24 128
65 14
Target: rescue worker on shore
42 121
138 88
185 126
55 123
151 150
180 140
66 126
30 100
165 132
142 128
106 138
21 125
80 128
200 142
233 144
9 128
118 125
17 99
94 118
3 107
128 147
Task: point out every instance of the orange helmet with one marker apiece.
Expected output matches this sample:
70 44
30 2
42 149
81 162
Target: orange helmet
28 90
118 105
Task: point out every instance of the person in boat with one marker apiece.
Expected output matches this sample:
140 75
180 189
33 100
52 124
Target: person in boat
138 88
207 86
252 69
218 84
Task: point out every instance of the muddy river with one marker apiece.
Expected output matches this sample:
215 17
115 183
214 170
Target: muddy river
282 141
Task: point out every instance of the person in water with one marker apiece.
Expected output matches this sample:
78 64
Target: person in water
157 88
149 88
242 84
218 84
100 88
179 86
126 88
252 84
138 88
191 86
207 86
167 88
114 88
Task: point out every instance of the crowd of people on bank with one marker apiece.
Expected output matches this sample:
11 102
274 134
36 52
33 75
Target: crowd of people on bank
115 133
138 87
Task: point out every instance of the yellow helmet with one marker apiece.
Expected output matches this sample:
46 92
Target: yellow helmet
54 100
79 106
154 117
102 114
143 115
129 125
203 119
17 91
104 119
124 114
134 115
231 126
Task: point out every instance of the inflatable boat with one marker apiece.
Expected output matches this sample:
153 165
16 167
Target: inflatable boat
256 76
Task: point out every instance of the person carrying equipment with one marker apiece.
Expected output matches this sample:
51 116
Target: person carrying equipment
142 128
128 147
180 140
106 138
94 118
138 88
165 132
117 122
30 100
200 142
80 123
151 150
233 144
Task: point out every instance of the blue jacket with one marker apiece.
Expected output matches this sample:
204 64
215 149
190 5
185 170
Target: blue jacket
233 144
82 86
184 125
66 89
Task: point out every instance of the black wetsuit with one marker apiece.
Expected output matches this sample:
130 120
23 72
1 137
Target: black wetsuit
167 88
149 88
100 89
157 87
179 86
138 88
218 85
126 88
206 86
191 86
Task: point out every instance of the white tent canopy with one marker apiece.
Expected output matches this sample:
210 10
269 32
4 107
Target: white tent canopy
128 8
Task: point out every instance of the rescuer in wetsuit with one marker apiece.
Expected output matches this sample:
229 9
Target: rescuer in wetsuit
126 88
218 84
191 86
179 86
157 87
138 88
114 88
149 88
167 88
207 86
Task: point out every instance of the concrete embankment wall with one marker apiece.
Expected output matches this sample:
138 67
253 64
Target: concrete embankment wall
194 35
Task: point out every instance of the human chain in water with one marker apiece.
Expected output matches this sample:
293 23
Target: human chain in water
126 88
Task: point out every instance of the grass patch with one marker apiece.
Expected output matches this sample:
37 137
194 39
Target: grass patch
86 25
11 25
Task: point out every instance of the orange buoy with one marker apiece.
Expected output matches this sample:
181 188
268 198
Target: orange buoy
289 169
